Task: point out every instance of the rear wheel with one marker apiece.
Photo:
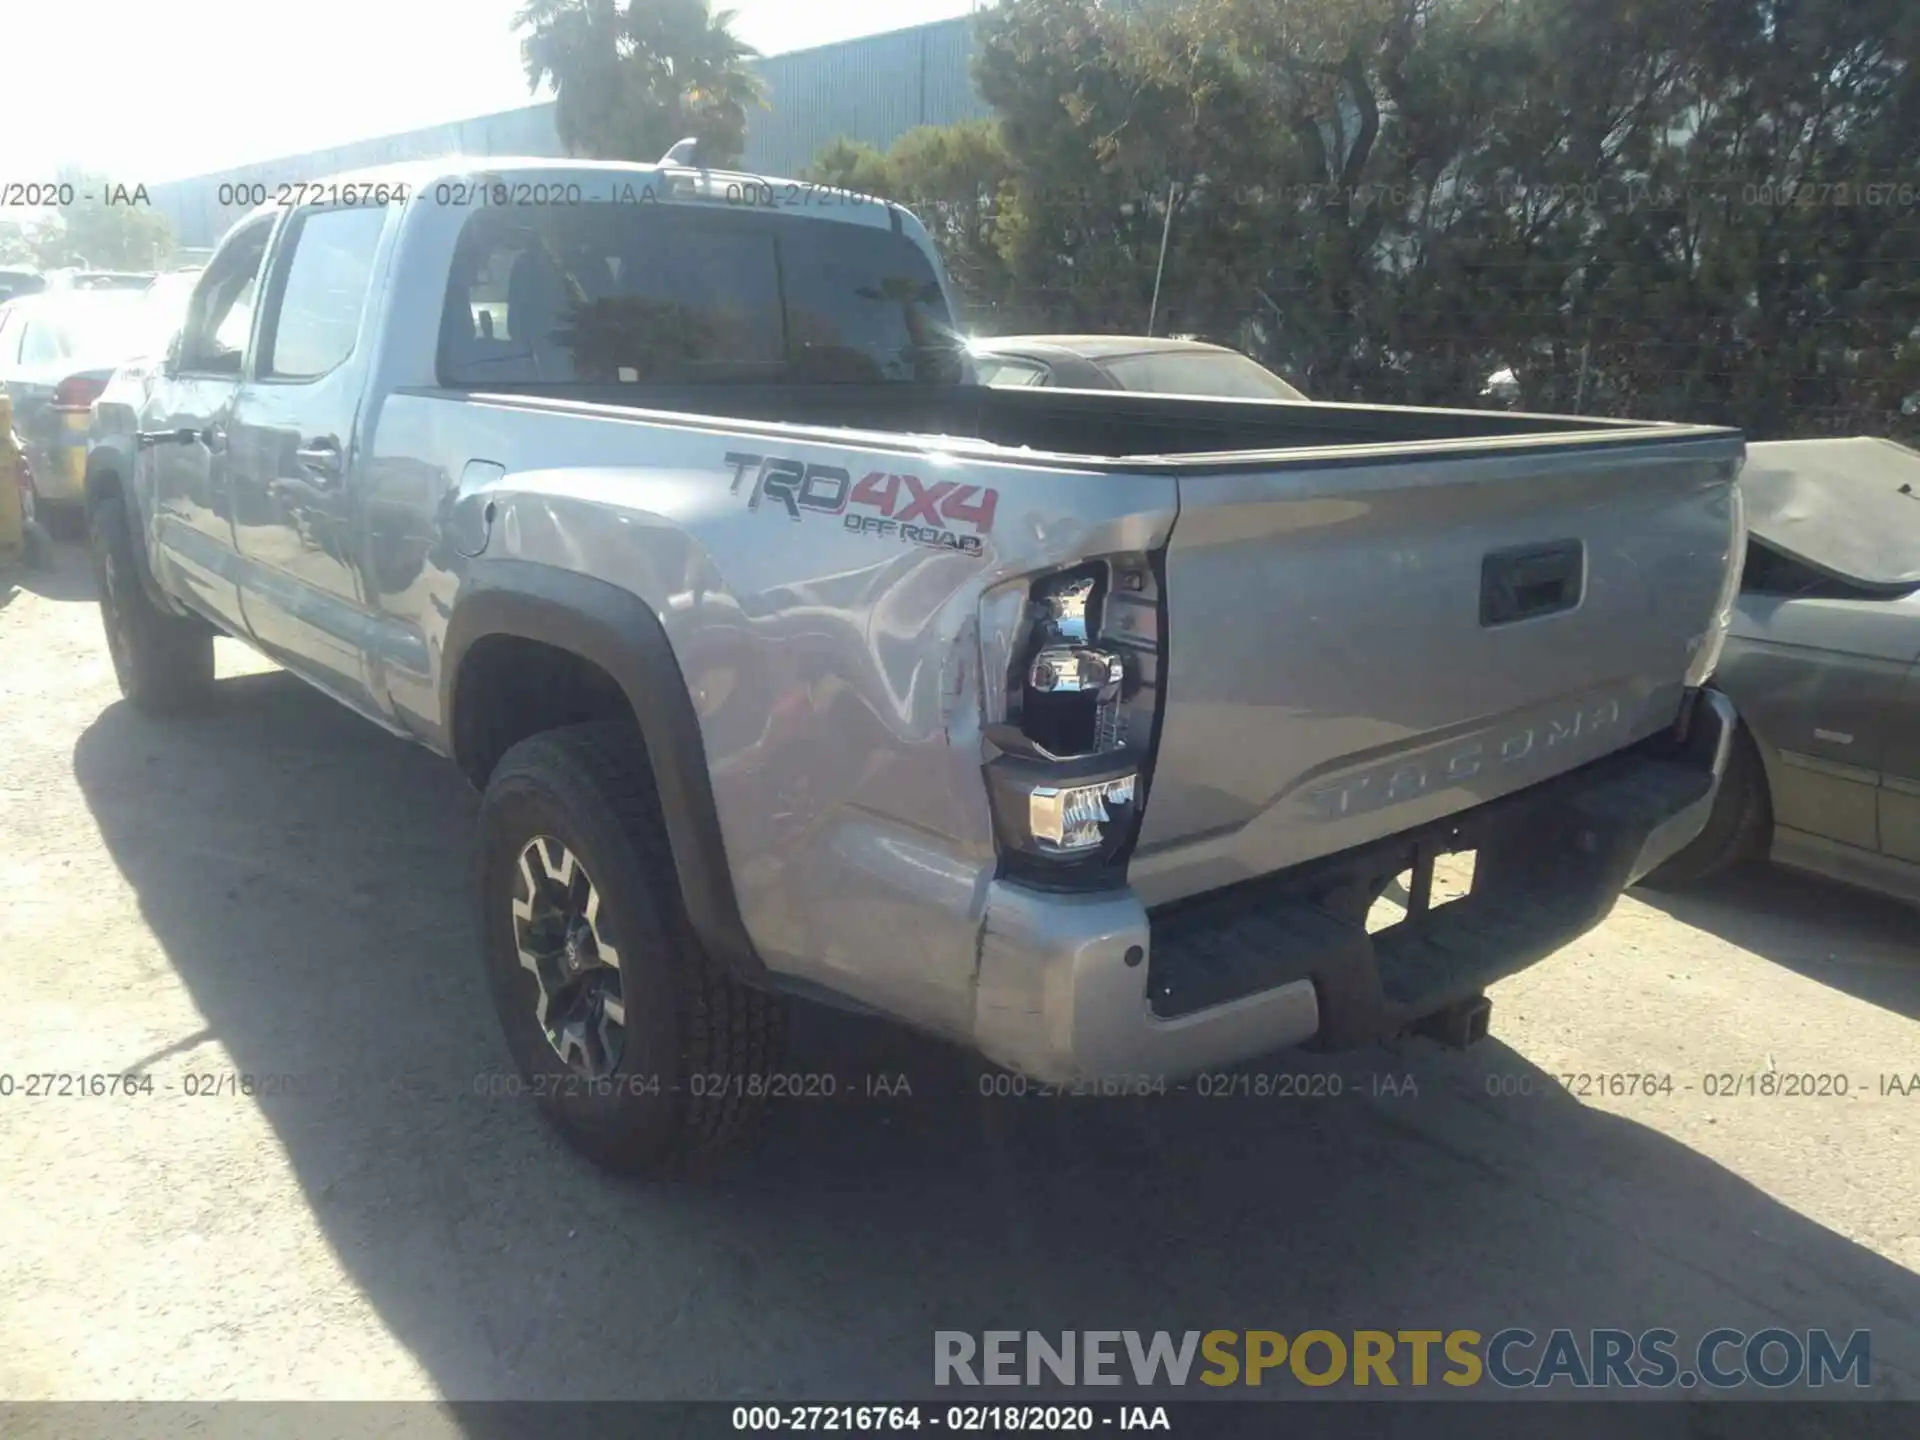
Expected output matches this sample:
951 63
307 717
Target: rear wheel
646 1056
1736 830
163 662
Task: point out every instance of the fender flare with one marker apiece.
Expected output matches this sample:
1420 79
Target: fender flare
619 632
102 462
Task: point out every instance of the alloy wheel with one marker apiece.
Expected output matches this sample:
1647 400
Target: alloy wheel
557 931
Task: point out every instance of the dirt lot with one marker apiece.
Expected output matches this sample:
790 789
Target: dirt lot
279 889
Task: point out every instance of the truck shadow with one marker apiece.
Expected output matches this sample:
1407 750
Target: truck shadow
1863 944
307 877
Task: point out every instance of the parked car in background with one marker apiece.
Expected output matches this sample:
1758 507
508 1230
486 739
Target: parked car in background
57 351
19 536
77 279
113 420
1823 663
20 282
1125 362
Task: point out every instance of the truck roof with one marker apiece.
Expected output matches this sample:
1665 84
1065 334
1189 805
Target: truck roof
601 179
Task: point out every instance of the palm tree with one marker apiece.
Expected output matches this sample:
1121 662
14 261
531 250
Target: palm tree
634 77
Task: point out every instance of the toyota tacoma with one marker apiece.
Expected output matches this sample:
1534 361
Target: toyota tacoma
1084 728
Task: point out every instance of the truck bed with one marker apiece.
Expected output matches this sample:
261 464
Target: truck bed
1375 616
1091 424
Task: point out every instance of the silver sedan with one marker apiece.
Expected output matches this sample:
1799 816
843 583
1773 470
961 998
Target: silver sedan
1823 663
1158 364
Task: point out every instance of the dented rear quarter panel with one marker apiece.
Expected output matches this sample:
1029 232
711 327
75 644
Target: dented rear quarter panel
835 673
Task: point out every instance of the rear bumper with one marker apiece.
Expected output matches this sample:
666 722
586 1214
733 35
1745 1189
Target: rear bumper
1085 987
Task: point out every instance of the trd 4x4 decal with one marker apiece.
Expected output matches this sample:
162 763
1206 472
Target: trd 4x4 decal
902 507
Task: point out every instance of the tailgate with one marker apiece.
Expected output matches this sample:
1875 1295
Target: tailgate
1360 644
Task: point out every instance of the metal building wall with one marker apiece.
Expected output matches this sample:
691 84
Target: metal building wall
199 219
872 89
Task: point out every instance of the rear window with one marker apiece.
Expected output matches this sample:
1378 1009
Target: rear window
1219 373
607 294
317 317
1008 374
101 326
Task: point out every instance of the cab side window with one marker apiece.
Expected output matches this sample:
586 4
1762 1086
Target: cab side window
220 315
320 293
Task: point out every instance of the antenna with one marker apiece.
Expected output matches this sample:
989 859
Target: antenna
684 153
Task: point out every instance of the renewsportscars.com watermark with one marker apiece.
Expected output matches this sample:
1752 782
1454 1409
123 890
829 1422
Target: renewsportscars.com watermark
1513 1359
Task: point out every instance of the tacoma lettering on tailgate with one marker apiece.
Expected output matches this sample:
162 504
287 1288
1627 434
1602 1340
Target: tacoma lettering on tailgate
1404 779
886 506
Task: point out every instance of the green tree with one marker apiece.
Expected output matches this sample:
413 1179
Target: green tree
854 165
16 243
1706 211
107 227
955 179
1777 260
1701 211
633 78
1086 129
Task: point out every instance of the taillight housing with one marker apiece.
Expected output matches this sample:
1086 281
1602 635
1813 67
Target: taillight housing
1709 644
76 393
1073 660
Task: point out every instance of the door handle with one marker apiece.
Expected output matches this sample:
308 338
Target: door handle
320 459
147 439
1531 580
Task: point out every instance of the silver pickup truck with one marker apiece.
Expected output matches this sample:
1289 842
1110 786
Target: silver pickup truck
1085 729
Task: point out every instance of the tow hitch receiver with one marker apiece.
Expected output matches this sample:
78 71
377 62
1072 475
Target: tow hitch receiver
1459 1024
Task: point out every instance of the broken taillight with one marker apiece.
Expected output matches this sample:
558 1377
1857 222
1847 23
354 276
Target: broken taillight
1076 657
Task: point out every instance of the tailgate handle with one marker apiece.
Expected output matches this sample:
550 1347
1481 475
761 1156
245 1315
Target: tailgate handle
1528 581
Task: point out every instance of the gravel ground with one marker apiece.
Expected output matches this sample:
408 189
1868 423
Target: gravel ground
278 889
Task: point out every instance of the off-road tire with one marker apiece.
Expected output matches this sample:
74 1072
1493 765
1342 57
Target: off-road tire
698 1044
164 662
1737 829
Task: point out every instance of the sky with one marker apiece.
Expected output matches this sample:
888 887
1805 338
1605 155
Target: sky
148 90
